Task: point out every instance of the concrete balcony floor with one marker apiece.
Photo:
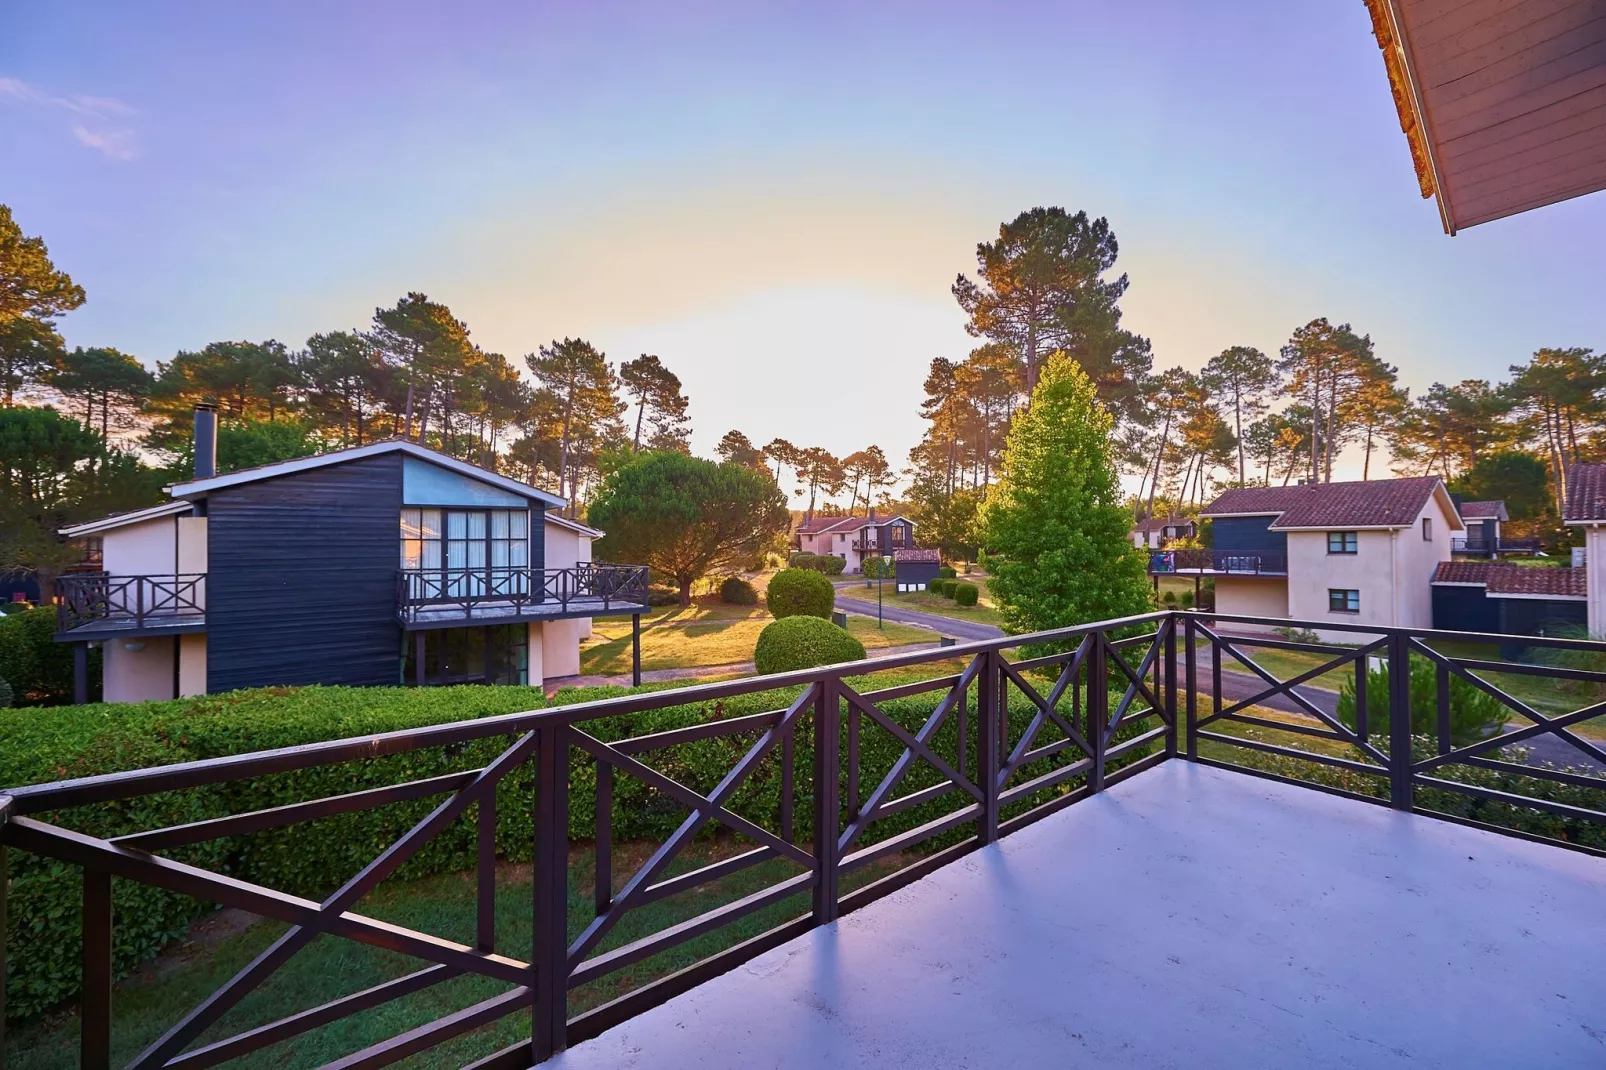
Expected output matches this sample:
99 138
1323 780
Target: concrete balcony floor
1187 918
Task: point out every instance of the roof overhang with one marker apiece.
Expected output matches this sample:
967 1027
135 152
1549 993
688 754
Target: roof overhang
123 520
1540 597
1228 516
573 525
1503 102
1344 527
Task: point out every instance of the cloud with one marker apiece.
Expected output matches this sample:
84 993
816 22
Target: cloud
118 143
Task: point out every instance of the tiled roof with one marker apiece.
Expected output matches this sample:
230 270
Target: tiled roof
1372 504
1586 494
916 555
1503 579
1554 582
1465 571
852 522
1495 510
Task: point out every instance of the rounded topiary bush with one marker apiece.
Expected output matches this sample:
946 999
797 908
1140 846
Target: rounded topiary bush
803 642
736 591
795 592
944 587
946 572
965 594
831 565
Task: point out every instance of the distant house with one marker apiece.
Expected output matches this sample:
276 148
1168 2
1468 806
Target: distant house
1488 596
853 537
1356 553
387 563
1586 508
916 568
1154 533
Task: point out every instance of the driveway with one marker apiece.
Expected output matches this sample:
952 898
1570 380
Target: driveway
958 629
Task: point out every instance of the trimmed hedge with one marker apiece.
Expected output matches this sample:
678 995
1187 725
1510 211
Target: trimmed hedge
38 668
736 591
944 586
797 592
945 572
803 643
966 594
826 564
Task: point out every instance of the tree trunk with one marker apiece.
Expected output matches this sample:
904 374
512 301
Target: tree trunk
1159 455
685 591
1031 358
1238 430
641 411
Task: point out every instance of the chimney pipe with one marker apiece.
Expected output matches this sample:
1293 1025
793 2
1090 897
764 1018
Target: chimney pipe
205 441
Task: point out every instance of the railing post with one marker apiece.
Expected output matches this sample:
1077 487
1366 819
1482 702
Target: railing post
1098 708
95 1000
139 601
827 806
1399 721
549 957
988 717
5 880
1190 662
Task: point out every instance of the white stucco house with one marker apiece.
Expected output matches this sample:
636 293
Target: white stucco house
1586 509
384 564
1356 553
1154 533
854 538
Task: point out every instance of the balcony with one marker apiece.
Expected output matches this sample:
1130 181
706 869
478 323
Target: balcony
1482 547
1088 852
443 598
96 604
1216 563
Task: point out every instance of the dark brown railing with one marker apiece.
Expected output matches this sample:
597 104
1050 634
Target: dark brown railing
1502 545
986 738
87 598
487 592
1163 562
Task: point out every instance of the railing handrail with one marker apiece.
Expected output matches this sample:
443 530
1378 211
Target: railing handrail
87 597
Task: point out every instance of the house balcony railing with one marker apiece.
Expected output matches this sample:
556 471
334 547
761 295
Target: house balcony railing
1502 545
135 603
1225 562
518 590
983 738
887 549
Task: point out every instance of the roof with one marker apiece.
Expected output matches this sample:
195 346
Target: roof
1586 494
1495 510
121 520
1502 102
851 522
1515 581
572 525
1377 503
934 556
198 487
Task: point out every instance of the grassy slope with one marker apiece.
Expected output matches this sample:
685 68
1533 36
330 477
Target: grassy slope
985 611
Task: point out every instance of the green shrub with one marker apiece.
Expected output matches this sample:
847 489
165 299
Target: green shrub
965 594
879 568
1187 599
832 565
800 592
803 642
736 591
38 668
1586 660
661 595
7 697
946 572
945 587
1474 714
801 559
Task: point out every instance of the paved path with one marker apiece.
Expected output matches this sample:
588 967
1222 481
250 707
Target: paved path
696 672
967 630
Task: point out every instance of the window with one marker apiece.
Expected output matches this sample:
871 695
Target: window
1427 529
470 552
1340 601
1342 542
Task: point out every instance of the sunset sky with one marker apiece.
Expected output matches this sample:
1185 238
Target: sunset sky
773 198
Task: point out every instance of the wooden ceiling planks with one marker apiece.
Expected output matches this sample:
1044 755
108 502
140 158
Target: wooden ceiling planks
1504 101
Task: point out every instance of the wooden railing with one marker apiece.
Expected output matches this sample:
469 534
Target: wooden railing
971 743
1164 562
487 591
87 598
1502 545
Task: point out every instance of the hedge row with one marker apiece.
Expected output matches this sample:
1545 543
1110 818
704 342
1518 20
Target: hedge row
312 859
829 564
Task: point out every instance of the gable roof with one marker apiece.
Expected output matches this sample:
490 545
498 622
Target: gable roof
1464 572
572 525
1377 503
930 556
199 487
1492 510
1586 494
1502 580
853 522
122 520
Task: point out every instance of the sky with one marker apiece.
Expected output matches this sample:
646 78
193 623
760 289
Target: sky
774 198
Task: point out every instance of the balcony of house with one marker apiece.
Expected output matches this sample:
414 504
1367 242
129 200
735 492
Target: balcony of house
97 605
873 546
1217 563
451 597
1480 546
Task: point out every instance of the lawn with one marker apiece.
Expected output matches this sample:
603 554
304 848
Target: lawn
985 611
708 632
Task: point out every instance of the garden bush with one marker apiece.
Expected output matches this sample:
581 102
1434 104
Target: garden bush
1474 714
803 642
832 565
736 591
944 587
879 568
7 698
965 594
801 559
659 594
946 572
38 668
800 592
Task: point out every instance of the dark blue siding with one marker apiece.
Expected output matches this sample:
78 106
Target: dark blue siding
1247 534
921 572
1465 609
302 578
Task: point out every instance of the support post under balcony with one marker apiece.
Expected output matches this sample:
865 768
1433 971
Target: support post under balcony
635 650
80 673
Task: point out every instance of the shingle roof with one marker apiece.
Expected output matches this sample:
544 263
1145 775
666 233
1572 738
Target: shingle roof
852 522
1372 504
1508 580
1494 510
1586 494
917 555
1554 582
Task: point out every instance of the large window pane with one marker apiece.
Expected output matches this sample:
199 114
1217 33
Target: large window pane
456 525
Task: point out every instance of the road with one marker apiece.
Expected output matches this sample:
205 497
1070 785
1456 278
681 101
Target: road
959 629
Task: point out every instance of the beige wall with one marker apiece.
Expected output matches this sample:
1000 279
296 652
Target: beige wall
191 665
148 548
1252 597
560 648
566 549
536 672
1595 562
142 675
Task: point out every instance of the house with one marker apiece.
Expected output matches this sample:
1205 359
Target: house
1355 553
1586 508
1153 534
853 537
1485 535
1488 596
387 563
916 568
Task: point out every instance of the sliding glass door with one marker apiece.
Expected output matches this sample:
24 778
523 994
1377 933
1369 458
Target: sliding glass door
466 553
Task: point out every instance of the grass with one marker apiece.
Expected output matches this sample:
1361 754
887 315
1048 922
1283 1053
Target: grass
149 1002
985 611
708 632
